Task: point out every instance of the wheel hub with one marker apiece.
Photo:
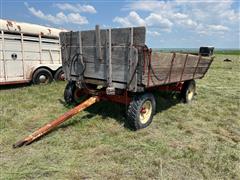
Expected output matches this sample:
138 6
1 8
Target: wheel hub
62 77
145 112
42 78
190 94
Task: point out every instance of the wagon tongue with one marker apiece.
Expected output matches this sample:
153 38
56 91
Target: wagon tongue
48 127
19 143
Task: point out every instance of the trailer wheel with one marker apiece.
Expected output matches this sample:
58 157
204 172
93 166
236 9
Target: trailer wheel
72 94
141 110
42 76
188 91
59 75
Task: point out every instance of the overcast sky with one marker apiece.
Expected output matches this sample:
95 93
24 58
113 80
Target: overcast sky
170 24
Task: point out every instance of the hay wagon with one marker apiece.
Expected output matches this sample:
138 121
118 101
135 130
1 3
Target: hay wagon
116 65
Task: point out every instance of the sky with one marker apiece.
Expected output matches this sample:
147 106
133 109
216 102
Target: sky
169 23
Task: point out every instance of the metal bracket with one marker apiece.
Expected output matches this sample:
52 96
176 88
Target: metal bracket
110 90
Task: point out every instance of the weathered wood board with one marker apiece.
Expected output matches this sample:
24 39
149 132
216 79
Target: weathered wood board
90 45
116 57
169 68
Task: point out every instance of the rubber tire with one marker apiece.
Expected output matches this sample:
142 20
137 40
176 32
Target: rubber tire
57 75
134 108
38 73
188 86
69 93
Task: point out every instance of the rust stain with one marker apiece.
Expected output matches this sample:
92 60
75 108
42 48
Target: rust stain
19 27
50 31
9 23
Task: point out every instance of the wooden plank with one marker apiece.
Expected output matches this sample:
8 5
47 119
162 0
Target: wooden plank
154 82
163 59
80 46
120 36
176 70
119 72
119 54
109 59
131 78
163 75
98 44
89 37
192 61
70 38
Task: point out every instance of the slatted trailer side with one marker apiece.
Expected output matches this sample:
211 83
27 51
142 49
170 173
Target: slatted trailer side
168 68
29 53
118 58
106 56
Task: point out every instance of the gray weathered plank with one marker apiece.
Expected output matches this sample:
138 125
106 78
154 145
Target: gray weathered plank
119 72
98 43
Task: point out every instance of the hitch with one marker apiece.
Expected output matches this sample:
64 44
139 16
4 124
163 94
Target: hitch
48 127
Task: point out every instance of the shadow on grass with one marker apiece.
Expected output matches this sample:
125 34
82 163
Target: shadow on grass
14 86
106 109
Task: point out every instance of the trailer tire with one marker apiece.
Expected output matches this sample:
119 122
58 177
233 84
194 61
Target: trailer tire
141 110
59 75
72 94
188 91
42 76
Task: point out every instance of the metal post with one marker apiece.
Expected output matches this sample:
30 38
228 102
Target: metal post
40 47
23 62
60 54
4 61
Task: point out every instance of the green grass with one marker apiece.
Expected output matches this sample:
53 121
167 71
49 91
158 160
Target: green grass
196 141
227 52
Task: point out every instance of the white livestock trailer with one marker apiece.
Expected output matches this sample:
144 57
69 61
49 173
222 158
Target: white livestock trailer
29 53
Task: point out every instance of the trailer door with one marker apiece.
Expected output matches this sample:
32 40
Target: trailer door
13 57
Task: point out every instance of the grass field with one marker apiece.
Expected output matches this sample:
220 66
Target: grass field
196 141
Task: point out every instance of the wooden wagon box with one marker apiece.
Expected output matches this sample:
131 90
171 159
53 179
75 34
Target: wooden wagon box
119 59
107 64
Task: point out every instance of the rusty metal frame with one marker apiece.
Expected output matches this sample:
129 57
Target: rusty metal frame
118 98
4 54
171 87
23 59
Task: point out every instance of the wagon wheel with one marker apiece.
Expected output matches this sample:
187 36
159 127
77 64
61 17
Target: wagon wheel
72 94
42 76
141 110
188 91
59 75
